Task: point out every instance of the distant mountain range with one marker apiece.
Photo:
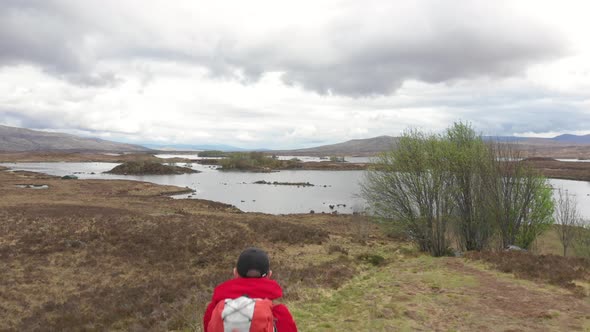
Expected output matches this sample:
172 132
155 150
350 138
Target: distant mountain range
575 139
360 147
193 147
21 139
565 139
14 139
371 146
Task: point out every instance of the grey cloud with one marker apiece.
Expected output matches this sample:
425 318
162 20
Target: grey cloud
533 116
366 51
382 68
552 118
20 118
38 34
93 79
445 44
50 120
50 35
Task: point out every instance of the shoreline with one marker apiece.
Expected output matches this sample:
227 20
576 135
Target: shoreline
121 243
548 167
181 191
106 245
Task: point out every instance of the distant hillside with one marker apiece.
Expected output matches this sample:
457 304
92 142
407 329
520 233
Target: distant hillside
360 147
564 146
14 139
575 139
192 147
558 140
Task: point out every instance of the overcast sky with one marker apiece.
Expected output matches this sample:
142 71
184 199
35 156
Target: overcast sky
280 74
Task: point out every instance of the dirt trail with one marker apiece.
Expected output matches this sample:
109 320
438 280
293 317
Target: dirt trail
499 299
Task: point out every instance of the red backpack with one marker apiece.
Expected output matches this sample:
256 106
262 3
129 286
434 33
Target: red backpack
242 314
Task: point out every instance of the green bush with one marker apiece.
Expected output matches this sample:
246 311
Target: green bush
337 159
456 186
212 153
249 161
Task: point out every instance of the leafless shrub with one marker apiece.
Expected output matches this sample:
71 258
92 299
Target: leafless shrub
567 217
582 241
361 224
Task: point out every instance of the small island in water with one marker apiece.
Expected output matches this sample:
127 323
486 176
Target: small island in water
276 183
149 168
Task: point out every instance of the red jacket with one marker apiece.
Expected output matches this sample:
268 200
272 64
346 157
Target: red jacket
262 288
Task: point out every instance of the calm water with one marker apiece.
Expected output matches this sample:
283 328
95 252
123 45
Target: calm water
237 188
302 158
575 160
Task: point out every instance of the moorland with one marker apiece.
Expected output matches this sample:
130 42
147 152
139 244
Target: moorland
122 255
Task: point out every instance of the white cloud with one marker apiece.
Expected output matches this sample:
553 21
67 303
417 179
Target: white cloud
281 75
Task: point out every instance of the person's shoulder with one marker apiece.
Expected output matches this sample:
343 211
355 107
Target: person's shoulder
256 287
260 281
269 287
227 283
249 282
224 289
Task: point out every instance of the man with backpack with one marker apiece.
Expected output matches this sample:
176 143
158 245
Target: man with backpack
244 304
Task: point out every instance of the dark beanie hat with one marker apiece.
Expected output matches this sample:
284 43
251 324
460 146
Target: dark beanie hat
253 259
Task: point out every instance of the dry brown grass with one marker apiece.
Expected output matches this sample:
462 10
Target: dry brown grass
110 268
557 270
104 255
118 255
561 169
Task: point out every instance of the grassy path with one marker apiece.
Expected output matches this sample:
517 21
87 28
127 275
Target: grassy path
117 255
445 294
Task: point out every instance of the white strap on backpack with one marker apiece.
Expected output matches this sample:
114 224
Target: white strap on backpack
237 314
242 314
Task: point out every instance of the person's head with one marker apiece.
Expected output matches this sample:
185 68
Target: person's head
253 263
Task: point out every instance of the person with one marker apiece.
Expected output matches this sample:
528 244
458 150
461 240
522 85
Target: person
252 279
